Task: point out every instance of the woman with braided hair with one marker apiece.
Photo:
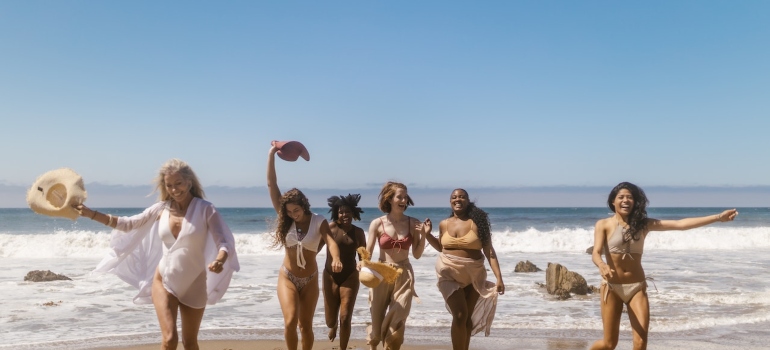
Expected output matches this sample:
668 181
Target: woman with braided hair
621 239
340 288
464 240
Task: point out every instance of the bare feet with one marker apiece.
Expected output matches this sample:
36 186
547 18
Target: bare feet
332 333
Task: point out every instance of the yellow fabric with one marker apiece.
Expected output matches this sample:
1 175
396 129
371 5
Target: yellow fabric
469 241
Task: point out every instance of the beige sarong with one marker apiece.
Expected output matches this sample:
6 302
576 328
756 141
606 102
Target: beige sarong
389 305
456 272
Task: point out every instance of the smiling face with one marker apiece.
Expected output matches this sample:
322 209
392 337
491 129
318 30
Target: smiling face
459 201
177 186
399 201
344 215
295 212
624 202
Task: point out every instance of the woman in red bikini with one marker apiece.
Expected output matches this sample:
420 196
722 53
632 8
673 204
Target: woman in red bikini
621 239
395 233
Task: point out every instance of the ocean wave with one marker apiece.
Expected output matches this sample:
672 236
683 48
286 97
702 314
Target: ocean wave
91 244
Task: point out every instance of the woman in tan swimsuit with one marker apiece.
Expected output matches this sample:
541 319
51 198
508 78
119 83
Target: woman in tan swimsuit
621 239
464 240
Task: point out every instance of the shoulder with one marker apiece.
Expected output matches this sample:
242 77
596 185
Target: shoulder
604 223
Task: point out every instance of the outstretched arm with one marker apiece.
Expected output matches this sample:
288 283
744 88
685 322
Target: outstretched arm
422 229
489 252
334 250
272 180
436 242
373 235
688 223
596 255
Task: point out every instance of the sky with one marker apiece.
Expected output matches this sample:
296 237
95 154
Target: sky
435 94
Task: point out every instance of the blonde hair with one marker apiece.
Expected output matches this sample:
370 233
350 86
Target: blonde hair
177 166
388 192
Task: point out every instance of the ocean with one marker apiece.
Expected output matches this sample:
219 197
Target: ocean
710 283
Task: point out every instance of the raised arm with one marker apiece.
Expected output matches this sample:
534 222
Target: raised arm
436 242
422 229
689 223
272 180
596 255
494 264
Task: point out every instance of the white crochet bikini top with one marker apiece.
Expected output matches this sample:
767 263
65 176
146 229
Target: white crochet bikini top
310 242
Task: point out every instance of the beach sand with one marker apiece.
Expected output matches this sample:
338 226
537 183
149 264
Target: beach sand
546 344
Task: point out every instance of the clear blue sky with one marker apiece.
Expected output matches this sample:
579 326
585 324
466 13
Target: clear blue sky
431 93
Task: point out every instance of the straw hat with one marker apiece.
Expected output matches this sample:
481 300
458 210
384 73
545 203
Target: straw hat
291 150
373 273
54 193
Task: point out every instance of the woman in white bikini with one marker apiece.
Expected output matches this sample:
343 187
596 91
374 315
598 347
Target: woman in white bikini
164 251
300 232
395 233
621 239
465 238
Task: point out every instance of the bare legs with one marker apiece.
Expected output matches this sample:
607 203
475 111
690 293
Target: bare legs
166 306
340 299
298 308
638 314
461 304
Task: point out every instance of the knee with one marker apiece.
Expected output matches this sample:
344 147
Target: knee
460 316
306 330
345 320
290 323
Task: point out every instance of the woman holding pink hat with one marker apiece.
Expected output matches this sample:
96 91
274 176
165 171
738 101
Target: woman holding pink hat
300 232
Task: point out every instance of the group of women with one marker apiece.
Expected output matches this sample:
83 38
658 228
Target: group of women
181 255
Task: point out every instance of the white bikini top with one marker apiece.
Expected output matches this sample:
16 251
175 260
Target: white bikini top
164 230
310 242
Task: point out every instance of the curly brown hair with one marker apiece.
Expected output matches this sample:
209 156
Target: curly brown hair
637 220
388 192
292 196
479 217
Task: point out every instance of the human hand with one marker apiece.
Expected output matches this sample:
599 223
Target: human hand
273 148
500 287
83 210
358 266
427 226
216 266
336 265
605 271
727 215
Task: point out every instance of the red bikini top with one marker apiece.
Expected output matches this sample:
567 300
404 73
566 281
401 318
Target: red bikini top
387 242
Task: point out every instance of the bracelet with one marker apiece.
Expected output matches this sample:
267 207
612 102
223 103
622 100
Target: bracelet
219 261
93 214
109 222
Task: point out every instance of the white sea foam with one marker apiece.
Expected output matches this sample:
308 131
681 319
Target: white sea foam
91 244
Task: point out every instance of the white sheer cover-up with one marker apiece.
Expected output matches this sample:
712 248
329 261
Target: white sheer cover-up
137 251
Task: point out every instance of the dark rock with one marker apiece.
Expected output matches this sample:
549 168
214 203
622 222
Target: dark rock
590 250
559 279
44 276
526 267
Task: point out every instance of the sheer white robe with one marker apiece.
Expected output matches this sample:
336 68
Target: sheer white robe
137 251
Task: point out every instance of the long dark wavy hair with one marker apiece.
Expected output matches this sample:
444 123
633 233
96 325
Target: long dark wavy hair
637 220
292 196
479 217
350 201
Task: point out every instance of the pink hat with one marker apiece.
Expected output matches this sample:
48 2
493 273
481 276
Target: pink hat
291 150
